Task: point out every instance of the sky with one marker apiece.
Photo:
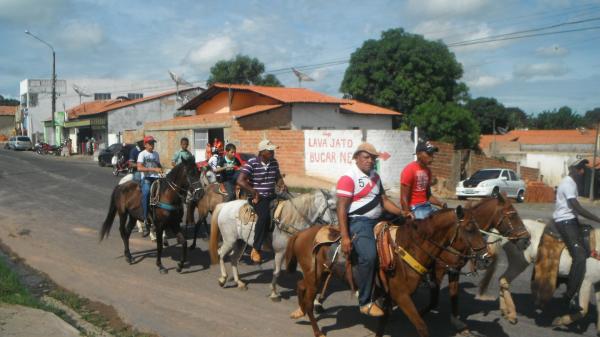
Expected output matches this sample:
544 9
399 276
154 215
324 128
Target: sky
143 39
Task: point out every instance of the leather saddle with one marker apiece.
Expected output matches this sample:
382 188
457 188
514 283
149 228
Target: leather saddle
385 236
247 213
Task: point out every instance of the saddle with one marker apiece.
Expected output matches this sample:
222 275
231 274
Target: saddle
326 235
247 214
551 246
222 189
385 236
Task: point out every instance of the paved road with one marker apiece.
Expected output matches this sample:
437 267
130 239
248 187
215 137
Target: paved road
50 212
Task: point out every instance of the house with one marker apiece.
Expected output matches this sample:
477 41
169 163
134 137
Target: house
548 150
7 120
107 120
36 98
226 111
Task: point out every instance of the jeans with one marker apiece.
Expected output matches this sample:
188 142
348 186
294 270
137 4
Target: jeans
365 251
230 186
263 221
421 211
146 183
573 238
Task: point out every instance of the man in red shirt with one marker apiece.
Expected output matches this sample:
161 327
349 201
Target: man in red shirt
415 181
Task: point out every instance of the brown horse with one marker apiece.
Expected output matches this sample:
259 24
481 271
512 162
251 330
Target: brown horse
490 213
209 199
126 200
424 240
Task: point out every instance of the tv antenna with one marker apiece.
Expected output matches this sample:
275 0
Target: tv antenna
302 77
178 81
81 92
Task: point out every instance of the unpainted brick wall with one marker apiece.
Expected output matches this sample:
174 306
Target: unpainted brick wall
132 136
290 154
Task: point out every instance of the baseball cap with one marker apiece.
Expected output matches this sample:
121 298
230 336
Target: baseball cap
366 147
426 147
149 139
266 144
579 163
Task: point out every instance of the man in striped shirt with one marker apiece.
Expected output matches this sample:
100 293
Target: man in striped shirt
259 176
361 202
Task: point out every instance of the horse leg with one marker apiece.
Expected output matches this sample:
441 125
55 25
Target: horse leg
434 295
597 291
310 293
507 305
278 260
125 236
383 320
584 301
453 290
159 248
224 250
408 307
516 265
301 290
235 257
183 242
318 303
196 226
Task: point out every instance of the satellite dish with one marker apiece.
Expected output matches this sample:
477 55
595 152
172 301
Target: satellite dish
81 92
178 81
302 77
502 130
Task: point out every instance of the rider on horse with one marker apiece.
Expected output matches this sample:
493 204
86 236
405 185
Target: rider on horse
148 163
361 201
259 176
183 154
228 170
415 181
565 217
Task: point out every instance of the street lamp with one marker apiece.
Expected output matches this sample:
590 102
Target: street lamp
53 79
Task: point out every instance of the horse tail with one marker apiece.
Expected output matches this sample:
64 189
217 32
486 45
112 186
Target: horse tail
290 257
214 235
110 217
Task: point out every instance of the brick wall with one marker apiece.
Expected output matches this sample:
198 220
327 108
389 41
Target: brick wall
132 136
291 145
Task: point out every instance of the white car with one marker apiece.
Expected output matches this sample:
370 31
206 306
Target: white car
491 182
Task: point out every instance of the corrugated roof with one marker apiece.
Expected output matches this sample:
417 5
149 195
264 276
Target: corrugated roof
96 107
8 110
355 106
540 137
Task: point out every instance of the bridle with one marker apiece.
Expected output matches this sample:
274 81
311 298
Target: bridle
506 235
318 219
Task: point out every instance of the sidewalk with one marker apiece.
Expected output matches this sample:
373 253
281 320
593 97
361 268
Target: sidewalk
19 321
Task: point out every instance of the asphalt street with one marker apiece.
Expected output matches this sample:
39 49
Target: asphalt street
51 209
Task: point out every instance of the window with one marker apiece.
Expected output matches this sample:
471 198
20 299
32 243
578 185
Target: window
485 175
134 95
33 99
24 100
505 174
23 139
101 96
513 176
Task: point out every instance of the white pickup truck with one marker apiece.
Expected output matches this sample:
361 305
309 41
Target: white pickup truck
490 182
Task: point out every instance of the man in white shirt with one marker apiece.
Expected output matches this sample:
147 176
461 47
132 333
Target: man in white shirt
148 163
566 210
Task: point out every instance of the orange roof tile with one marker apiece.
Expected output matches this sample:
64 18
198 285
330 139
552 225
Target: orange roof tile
538 137
367 109
8 110
283 94
221 119
251 110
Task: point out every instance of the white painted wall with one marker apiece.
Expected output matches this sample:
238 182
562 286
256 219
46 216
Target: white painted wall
327 116
116 87
400 148
328 153
552 165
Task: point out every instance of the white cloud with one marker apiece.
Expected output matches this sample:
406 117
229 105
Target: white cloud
212 50
530 71
30 11
553 50
485 81
81 35
447 7
452 32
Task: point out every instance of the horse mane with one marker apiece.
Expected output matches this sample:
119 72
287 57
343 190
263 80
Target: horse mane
425 227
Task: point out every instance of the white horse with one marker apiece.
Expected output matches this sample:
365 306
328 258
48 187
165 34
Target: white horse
296 214
518 263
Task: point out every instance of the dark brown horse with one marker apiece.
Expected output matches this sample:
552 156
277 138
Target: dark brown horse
490 213
424 240
210 197
126 200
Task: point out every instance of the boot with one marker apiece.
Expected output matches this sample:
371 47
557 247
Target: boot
255 256
146 231
574 303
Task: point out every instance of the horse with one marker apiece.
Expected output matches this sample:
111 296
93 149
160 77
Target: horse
126 199
518 262
205 204
424 240
490 214
297 213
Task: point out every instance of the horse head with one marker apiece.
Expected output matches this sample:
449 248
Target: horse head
185 175
327 207
510 224
468 237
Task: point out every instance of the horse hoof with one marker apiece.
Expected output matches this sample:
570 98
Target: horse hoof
163 271
558 322
222 282
179 269
192 247
319 309
275 298
165 243
242 286
513 321
296 314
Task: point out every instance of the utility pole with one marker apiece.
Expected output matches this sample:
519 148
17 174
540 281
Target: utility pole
593 181
53 81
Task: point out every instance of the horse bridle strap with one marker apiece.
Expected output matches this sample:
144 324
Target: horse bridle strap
411 261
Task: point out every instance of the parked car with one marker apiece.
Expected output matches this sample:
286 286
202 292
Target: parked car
106 155
20 143
491 182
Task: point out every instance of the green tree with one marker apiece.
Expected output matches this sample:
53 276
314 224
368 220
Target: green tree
8 101
563 118
242 69
402 70
592 117
489 112
447 122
